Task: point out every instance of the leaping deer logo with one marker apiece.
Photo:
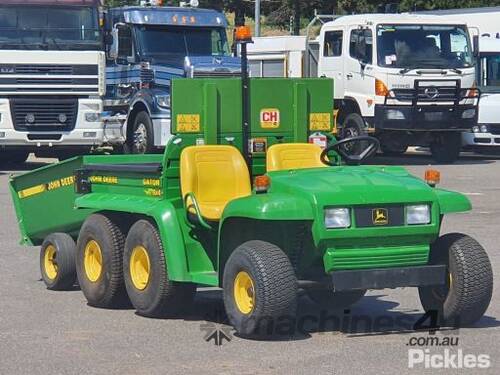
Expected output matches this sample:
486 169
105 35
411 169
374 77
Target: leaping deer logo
380 216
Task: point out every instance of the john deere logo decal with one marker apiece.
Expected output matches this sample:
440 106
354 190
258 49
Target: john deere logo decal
380 216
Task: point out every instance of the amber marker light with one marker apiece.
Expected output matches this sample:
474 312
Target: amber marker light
432 177
262 184
243 33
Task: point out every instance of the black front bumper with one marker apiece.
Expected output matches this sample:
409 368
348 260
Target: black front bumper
381 278
424 118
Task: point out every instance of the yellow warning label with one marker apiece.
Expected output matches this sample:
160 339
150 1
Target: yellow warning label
320 121
188 123
32 191
270 118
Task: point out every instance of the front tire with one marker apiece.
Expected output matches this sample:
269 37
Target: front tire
260 288
99 261
354 126
150 290
465 297
57 261
141 137
445 148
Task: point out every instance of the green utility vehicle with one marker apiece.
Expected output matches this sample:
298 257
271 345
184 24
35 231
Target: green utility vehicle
260 212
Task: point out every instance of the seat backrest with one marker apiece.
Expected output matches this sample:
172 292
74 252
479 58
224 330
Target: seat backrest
216 175
293 156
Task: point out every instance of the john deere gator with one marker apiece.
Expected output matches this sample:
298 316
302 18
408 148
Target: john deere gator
257 210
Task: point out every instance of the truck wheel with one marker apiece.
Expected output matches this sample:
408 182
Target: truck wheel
141 140
469 284
445 148
260 288
353 126
146 275
57 261
99 262
335 300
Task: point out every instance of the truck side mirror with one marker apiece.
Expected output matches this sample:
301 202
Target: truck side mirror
121 47
475 45
113 49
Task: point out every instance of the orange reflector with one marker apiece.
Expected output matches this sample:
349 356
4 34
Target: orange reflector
380 88
243 33
432 177
262 184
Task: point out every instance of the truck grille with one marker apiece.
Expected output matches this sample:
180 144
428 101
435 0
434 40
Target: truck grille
28 79
44 114
215 74
49 69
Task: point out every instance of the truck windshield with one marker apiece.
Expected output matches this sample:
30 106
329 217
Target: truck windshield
49 28
424 46
490 72
175 43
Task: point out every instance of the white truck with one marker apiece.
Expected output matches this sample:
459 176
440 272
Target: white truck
485 136
407 78
52 78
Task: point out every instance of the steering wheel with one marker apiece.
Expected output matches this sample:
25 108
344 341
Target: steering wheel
373 145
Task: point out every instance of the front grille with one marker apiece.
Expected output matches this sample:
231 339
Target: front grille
215 74
49 69
44 114
443 94
372 216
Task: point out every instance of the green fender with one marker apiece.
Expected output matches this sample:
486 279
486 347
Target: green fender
271 206
165 216
450 202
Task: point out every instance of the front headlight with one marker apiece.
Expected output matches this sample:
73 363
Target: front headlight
92 117
419 214
337 218
163 101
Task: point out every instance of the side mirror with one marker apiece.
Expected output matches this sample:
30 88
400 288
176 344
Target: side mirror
475 45
113 49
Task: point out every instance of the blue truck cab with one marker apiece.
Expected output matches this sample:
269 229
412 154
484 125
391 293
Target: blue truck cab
147 47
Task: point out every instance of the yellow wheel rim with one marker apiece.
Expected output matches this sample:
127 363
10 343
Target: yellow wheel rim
49 262
244 292
92 261
140 267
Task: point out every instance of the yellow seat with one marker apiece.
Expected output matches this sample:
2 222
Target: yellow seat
215 175
293 156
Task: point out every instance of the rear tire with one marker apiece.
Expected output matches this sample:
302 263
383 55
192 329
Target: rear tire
146 275
99 262
57 261
329 299
469 285
260 288
445 148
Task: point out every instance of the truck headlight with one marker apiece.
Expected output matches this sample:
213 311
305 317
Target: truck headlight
418 214
484 128
469 113
92 117
337 218
163 101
